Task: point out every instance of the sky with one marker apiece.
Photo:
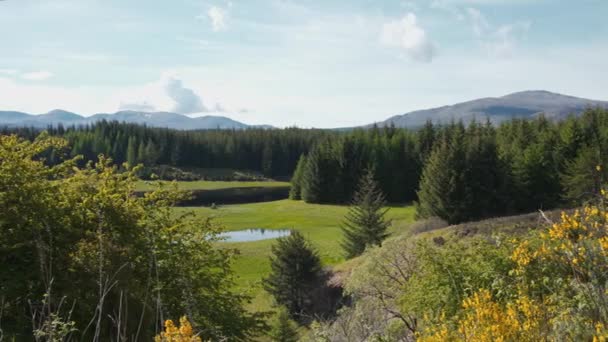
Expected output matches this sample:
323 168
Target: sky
305 63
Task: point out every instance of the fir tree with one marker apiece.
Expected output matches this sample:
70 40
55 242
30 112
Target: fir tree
295 193
584 176
141 153
365 224
284 329
132 152
311 178
150 153
295 273
442 185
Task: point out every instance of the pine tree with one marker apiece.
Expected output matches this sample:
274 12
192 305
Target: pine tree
442 186
132 152
150 153
365 224
295 273
295 193
311 178
426 138
584 176
284 329
141 153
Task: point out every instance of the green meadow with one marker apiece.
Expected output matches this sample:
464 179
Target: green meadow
319 223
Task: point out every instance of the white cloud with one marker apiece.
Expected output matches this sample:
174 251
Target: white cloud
169 93
217 15
186 100
409 36
498 41
504 40
37 75
478 20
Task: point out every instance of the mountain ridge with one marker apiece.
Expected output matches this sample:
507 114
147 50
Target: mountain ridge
524 104
153 119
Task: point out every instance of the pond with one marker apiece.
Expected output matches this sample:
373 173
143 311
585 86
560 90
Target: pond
253 234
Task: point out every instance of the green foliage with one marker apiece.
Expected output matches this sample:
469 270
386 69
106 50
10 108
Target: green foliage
131 152
365 223
464 178
584 176
311 178
79 235
447 273
484 171
295 273
441 190
284 329
295 193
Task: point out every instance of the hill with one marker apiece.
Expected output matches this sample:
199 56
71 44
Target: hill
153 119
525 104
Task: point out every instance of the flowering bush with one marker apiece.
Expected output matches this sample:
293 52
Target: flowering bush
559 291
183 333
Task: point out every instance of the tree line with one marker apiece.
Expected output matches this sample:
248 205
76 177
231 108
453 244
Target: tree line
459 172
272 152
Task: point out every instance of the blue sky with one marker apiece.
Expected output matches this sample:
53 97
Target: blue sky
285 62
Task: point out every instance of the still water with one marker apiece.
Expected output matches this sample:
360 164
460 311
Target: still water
253 234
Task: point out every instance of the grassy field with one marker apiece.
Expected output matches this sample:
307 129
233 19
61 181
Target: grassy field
213 185
319 223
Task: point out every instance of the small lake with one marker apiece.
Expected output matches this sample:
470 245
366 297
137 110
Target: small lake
253 234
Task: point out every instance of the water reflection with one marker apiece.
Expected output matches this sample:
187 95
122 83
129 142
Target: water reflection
253 234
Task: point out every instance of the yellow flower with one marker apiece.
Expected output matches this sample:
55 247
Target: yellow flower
174 334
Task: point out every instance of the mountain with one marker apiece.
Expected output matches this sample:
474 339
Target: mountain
525 104
155 119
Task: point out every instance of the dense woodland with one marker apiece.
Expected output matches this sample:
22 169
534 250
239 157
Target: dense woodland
269 151
453 171
460 172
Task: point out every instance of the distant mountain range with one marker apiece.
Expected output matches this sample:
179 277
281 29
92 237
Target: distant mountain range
155 119
525 104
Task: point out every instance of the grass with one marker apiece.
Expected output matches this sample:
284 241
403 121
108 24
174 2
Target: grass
319 223
212 185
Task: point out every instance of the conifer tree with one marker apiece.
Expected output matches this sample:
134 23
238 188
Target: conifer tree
284 329
442 185
584 176
295 272
132 152
365 224
311 178
151 153
295 193
141 153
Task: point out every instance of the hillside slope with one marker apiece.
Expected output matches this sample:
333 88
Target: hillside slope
525 104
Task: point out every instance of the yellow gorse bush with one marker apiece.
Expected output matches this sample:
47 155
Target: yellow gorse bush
485 320
575 250
183 333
